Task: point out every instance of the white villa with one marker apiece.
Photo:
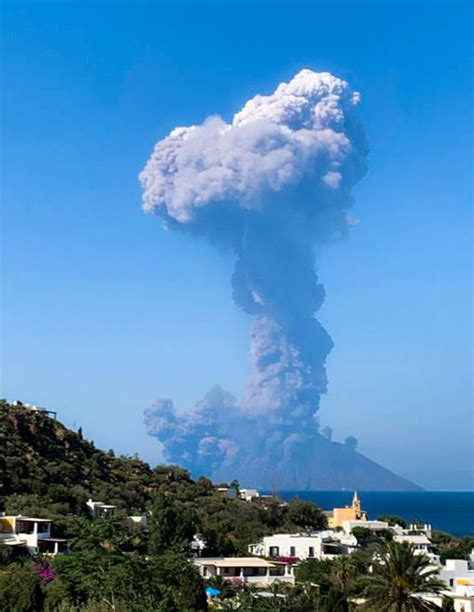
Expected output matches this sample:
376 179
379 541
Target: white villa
319 545
421 543
250 570
348 526
197 545
32 533
458 574
249 494
140 520
98 509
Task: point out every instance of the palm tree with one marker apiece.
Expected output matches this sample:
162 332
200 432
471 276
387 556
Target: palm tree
398 578
279 592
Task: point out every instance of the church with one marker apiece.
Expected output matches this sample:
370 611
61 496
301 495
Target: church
349 513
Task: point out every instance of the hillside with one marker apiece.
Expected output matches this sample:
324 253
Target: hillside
47 470
42 460
39 456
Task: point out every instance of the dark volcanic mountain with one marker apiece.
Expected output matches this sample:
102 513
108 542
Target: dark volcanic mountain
327 465
37 452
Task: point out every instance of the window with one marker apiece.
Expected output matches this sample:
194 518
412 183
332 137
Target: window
451 582
24 527
254 571
274 551
311 551
292 551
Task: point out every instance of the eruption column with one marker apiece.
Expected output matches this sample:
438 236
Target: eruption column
273 185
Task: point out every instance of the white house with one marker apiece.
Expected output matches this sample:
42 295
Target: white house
348 526
33 408
197 545
463 600
32 533
250 570
140 520
318 545
415 528
421 543
249 494
98 509
458 574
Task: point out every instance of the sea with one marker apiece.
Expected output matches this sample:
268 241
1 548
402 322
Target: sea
452 512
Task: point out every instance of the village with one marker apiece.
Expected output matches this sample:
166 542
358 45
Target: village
275 558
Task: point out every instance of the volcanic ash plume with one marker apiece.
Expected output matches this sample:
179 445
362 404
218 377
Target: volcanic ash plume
273 185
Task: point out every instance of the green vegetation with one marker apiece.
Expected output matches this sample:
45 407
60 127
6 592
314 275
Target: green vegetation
392 519
383 576
47 470
103 571
449 547
43 460
365 536
397 579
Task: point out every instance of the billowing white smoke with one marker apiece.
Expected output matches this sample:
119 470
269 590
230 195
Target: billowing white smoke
272 185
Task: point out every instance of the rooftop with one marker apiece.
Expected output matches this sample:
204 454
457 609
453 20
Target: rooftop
235 562
20 517
412 539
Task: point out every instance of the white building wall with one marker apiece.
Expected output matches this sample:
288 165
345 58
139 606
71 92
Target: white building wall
245 573
456 569
284 545
300 545
464 605
348 525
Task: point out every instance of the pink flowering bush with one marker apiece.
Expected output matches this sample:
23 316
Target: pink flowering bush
44 572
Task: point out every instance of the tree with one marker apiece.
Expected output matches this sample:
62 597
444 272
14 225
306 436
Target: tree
20 589
334 580
305 515
363 535
12 554
449 547
173 524
235 485
447 605
398 577
303 597
275 599
184 585
315 572
335 600
392 519
127 582
105 534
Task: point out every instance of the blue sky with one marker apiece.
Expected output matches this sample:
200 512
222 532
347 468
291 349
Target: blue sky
103 311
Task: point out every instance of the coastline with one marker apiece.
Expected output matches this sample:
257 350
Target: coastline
449 511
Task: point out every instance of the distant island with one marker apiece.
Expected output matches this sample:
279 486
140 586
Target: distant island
300 461
324 465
